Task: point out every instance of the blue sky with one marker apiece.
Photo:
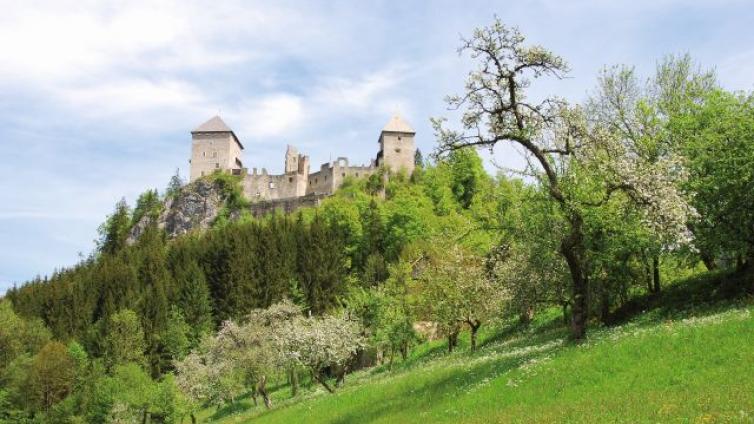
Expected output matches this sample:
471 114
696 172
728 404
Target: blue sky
97 99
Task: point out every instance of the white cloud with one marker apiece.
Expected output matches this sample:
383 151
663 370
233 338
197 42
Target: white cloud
66 42
359 92
102 95
270 116
126 96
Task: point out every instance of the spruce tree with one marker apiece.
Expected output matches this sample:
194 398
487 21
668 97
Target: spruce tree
194 299
114 231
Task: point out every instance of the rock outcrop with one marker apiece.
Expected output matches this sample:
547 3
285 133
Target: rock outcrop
195 206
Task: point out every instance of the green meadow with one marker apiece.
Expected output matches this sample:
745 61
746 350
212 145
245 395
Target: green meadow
668 362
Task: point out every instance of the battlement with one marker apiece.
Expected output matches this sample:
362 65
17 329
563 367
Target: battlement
215 147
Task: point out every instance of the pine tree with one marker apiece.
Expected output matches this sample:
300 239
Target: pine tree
193 298
155 282
418 159
175 184
114 231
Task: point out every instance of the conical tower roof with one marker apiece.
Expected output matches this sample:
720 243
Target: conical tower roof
399 125
215 124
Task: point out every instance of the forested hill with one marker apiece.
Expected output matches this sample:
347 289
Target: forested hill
188 302
238 263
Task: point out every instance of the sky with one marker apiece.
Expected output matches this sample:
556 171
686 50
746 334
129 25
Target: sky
97 99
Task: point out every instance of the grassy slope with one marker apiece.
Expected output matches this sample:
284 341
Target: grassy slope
669 363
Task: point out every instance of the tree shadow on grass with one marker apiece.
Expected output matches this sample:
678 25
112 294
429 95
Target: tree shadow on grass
706 293
237 407
432 392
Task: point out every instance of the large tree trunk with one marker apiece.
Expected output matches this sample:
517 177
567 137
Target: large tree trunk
340 374
572 250
293 376
656 274
566 315
648 271
605 304
452 341
526 315
321 380
708 260
262 388
474 327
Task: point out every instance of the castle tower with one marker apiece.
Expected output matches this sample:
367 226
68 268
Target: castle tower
303 165
397 147
214 146
291 160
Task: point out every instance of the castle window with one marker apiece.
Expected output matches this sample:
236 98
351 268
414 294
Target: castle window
399 138
214 154
316 180
290 179
357 174
202 173
397 150
344 174
325 177
204 154
217 165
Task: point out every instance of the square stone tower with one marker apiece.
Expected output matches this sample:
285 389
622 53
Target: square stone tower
295 162
397 147
214 147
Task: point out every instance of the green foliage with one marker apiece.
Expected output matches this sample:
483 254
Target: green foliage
418 159
393 326
376 182
176 335
466 175
193 297
52 375
449 247
149 204
717 137
174 185
124 340
18 335
114 231
231 192
656 368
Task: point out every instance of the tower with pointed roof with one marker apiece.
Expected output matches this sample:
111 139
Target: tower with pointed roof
214 147
397 147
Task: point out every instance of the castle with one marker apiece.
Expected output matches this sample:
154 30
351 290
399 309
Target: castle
215 147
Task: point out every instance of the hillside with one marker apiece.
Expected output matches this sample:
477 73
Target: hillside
675 362
609 280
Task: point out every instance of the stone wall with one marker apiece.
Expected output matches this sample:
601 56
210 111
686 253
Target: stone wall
321 181
262 186
331 175
287 206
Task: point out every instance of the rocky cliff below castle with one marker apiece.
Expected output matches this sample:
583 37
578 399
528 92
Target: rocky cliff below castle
194 206
198 205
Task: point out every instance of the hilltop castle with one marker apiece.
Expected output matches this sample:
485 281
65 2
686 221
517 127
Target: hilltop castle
215 147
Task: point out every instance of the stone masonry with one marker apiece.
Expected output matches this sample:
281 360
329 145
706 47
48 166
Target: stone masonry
215 148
